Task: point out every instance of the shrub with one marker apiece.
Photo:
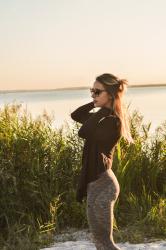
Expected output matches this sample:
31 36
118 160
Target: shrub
39 168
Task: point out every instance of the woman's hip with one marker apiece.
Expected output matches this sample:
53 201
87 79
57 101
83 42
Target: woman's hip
107 184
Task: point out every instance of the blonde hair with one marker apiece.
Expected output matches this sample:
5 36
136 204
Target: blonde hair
116 88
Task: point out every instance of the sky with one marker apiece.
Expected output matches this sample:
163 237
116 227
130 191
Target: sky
48 44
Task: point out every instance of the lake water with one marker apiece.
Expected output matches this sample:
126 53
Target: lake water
149 101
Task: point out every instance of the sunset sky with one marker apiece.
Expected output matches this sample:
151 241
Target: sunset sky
48 44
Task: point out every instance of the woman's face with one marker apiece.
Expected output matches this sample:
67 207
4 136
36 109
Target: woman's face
101 98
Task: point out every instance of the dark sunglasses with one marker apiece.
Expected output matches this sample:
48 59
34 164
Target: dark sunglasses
97 92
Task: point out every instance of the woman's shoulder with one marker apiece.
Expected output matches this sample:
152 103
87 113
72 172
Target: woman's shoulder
111 120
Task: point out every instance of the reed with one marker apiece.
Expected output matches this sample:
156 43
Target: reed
39 168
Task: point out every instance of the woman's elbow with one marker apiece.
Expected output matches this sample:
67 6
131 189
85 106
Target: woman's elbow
76 117
73 116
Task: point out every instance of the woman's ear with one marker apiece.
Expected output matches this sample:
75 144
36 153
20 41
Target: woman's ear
110 97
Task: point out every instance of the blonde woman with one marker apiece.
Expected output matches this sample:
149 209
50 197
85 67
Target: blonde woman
101 131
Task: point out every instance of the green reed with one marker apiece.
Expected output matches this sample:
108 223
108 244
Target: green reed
141 171
39 168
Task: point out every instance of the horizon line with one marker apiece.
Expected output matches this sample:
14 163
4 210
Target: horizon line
77 88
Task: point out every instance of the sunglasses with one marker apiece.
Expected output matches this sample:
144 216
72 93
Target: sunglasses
97 92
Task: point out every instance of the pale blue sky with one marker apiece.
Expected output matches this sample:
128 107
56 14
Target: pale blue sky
67 43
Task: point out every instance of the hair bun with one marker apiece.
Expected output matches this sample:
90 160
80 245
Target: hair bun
122 81
122 84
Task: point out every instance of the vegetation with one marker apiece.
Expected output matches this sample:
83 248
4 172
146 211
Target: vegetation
39 167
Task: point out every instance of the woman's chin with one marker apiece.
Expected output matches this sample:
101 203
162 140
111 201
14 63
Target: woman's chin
96 105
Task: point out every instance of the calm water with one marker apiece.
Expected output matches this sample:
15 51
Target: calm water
150 101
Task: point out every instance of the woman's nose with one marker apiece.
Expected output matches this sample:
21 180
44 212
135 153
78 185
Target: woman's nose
93 95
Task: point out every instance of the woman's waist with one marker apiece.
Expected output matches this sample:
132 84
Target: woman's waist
106 176
109 174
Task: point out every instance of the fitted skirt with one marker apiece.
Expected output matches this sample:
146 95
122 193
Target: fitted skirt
101 197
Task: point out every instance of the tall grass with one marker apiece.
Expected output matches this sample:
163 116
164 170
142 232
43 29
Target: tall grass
39 167
141 171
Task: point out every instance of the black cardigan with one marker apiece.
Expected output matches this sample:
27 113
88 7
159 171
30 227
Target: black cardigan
101 131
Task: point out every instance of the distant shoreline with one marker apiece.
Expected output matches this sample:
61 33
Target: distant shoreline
77 88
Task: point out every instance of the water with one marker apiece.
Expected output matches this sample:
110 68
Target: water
149 101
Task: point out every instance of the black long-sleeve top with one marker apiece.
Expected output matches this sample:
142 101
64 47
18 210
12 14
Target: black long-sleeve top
101 131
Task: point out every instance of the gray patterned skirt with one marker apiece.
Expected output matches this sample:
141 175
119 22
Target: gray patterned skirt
101 197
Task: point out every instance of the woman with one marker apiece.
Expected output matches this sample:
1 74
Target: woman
101 131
